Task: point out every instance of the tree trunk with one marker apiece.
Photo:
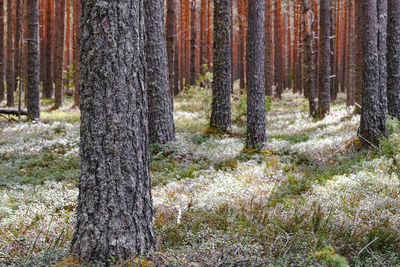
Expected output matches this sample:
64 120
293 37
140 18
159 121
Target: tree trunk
394 58
193 43
48 83
76 58
221 102
33 67
114 211
10 54
324 58
308 57
2 87
358 53
170 44
241 56
269 78
256 128
59 53
18 43
373 114
161 121
278 78
203 35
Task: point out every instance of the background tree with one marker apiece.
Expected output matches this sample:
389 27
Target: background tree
221 100
256 128
278 78
171 45
309 87
2 88
394 59
76 59
10 53
33 61
161 121
114 211
59 53
324 60
373 113
269 56
48 84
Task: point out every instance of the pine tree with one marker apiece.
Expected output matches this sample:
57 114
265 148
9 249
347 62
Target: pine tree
114 211
161 121
256 128
221 100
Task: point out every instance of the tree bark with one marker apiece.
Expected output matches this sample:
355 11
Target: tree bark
394 58
170 45
203 35
18 43
13 111
278 78
48 83
256 128
59 53
373 114
114 211
193 43
2 87
76 55
161 121
324 58
10 53
33 67
308 57
358 53
221 100
269 68
241 57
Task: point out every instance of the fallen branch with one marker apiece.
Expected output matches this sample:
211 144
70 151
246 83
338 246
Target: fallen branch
13 111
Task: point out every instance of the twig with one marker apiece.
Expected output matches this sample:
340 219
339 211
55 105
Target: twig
376 238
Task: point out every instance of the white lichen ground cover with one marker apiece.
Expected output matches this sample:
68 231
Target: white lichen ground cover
215 205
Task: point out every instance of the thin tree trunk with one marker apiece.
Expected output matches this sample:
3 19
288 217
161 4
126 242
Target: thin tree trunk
170 44
33 66
18 43
221 102
48 83
161 121
2 87
76 57
241 44
278 48
309 88
324 58
203 35
268 48
358 54
193 43
114 211
10 53
394 58
59 53
256 128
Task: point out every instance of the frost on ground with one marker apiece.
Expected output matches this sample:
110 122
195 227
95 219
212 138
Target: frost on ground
214 204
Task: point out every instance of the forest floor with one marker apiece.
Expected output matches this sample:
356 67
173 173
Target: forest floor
311 198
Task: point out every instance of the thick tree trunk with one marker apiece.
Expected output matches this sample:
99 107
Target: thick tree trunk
324 58
59 53
170 45
33 67
373 114
76 57
2 87
394 58
256 128
10 53
48 83
221 102
192 43
161 121
309 88
269 68
114 211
